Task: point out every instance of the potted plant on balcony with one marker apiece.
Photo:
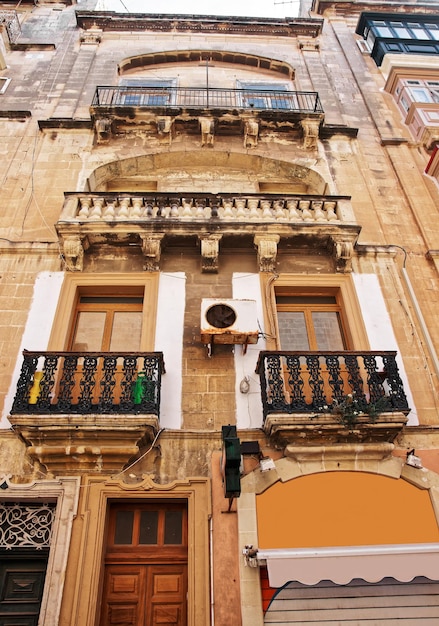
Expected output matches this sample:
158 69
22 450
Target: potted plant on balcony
349 409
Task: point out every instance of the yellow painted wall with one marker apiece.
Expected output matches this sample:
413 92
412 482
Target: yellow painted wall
342 509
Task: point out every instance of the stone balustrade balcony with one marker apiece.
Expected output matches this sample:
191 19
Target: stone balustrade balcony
152 220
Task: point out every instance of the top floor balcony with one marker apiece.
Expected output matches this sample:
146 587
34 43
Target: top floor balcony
151 220
205 110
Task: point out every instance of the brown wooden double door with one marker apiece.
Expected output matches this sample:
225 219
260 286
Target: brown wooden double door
145 580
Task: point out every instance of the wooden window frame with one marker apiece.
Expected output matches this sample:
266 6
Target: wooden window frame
76 285
342 287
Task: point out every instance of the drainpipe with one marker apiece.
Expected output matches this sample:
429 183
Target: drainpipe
212 600
418 312
421 321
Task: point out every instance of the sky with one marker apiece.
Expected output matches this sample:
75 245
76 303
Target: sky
251 8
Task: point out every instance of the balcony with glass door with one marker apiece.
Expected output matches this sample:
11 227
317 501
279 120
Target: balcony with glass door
321 391
97 401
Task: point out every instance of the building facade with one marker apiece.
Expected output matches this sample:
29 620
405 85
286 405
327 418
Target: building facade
219 329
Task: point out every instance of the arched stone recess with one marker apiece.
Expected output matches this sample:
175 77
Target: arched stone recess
99 494
174 57
205 172
378 515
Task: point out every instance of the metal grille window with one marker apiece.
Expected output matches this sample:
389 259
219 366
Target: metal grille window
26 525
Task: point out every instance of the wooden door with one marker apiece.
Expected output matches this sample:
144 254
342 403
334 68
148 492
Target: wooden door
144 595
145 579
21 589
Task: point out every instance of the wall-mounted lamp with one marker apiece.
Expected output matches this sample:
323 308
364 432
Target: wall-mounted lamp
413 460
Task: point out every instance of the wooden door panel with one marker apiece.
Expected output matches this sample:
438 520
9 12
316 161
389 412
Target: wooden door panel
124 590
167 602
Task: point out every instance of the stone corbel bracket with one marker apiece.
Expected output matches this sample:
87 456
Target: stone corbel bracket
308 44
72 250
165 125
251 133
151 248
343 251
310 127
209 252
207 126
91 36
267 251
103 129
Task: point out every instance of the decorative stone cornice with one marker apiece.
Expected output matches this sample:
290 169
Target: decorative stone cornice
262 26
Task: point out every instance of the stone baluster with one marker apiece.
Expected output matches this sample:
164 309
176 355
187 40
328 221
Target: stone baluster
149 208
96 212
136 211
293 213
331 208
201 208
240 208
279 211
253 206
109 211
123 213
304 206
187 208
174 212
267 213
227 209
319 214
84 211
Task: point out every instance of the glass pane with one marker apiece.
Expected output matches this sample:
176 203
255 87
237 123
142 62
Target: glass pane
327 330
126 331
173 527
123 534
148 527
383 31
292 330
89 331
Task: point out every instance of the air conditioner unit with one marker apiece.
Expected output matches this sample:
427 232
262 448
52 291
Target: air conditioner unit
229 321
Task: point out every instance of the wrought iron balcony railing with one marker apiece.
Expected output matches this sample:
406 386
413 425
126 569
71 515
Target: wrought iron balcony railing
317 382
89 382
207 98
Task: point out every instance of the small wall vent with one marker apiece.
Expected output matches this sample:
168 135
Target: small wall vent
228 321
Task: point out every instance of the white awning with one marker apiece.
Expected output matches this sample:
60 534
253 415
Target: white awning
342 564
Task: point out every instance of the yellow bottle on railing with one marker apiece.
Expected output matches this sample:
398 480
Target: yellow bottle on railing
35 389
